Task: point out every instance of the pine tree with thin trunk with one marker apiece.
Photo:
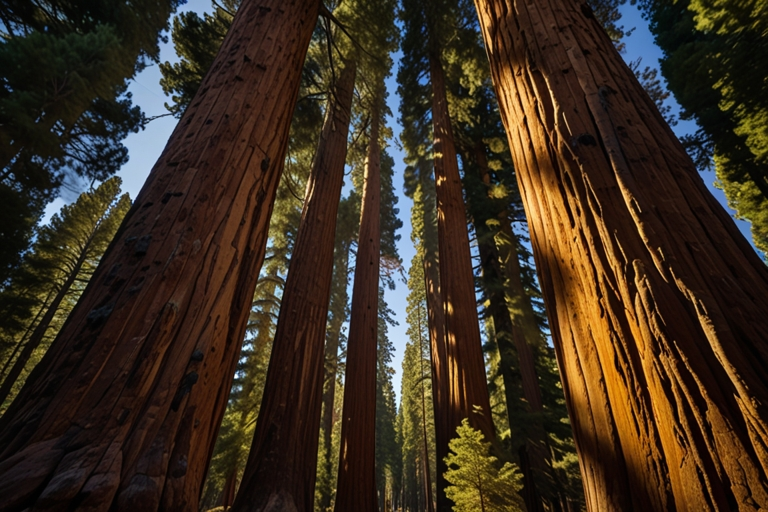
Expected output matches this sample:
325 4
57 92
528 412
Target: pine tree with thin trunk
656 302
123 410
70 246
281 469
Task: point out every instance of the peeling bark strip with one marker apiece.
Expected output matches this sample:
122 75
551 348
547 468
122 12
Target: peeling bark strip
657 304
281 469
95 426
356 488
465 388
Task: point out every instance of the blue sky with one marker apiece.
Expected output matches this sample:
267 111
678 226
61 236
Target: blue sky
145 148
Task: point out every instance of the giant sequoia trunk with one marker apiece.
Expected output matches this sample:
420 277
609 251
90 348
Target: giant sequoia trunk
657 304
356 488
281 469
123 411
467 389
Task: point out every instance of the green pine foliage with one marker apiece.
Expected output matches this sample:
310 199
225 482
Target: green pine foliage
64 109
416 414
715 56
55 271
388 456
196 41
479 483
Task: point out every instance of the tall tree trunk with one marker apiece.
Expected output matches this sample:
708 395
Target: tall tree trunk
656 302
356 487
40 329
429 504
440 384
525 427
332 341
123 411
281 469
465 368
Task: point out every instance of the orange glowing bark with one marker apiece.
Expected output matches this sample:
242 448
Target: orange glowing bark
657 303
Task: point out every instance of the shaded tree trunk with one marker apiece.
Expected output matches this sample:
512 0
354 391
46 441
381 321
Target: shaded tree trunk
332 342
356 487
656 302
467 395
521 386
429 505
123 411
440 384
281 469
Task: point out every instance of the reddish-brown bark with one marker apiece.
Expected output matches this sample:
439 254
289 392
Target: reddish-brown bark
356 488
436 324
123 411
467 389
657 304
281 469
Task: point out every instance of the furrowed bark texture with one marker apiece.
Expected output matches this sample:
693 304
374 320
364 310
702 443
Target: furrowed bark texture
656 302
123 411
467 389
281 469
356 488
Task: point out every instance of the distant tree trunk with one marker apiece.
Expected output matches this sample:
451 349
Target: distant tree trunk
230 486
332 341
440 384
656 302
465 367
123 411
40 329
515 354
356 487
429 505
281 469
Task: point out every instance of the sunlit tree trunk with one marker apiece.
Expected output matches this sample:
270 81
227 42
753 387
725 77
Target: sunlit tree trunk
356 488
123 411
467 389
657 304
281 469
